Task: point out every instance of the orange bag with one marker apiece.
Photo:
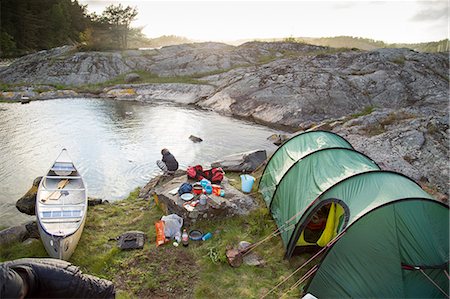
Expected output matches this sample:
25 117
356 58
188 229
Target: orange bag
160 237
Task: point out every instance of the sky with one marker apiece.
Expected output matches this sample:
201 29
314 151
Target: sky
398 21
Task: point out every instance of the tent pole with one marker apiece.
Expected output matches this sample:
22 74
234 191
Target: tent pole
433 282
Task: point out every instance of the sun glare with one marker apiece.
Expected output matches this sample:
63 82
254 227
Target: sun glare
389 21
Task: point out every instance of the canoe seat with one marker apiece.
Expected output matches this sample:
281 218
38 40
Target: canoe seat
63 168
61 215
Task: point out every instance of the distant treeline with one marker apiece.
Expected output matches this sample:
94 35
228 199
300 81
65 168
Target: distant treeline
39 24
30 25
370 44
142 41
357 42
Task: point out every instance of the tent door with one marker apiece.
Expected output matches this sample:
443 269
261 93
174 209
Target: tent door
324 224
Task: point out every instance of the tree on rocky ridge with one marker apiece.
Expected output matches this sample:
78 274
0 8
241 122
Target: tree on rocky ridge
120 18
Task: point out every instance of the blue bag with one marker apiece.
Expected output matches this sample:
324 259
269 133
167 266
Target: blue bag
184 188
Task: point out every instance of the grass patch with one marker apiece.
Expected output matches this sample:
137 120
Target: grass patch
366 111
197 271
267 58
399 60
390 119
20 250
145 77
318 53
3 100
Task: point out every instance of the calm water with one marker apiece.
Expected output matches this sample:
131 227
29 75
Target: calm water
114 143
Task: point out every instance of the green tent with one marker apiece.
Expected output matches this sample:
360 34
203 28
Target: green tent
293 150
385 236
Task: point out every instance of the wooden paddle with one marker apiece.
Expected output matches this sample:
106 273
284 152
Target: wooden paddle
60 185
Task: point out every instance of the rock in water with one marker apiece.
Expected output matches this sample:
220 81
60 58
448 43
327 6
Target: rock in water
195 139
27 203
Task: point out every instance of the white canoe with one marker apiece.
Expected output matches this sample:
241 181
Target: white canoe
61 206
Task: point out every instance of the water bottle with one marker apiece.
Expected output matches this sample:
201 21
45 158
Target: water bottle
185 238
206 236
203 199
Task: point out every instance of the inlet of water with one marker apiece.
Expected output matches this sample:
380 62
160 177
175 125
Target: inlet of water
114 144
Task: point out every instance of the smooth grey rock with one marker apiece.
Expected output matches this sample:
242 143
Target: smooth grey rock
253 259
13 234
27 203
243 246
242 162
405 141
302 87
298 90
94 201
278 139
32 229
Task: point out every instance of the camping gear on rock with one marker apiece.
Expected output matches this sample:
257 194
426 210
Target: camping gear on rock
197 189
172 226
204 182
216 189
206 236
131 240
185 238
381 228
50 278
187 196
61 206
188 207
174 191
247 183
160 236
208 189
195 235
194 203
203 198
214 175
184 188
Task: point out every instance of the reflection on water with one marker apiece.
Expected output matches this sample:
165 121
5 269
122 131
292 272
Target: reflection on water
114 143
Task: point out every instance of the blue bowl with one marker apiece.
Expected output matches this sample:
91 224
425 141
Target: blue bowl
195 235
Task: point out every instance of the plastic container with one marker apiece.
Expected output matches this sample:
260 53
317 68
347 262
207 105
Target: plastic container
216 190
203 199
247 183
208 189
206 236
185 238
197 189
222 193
205 182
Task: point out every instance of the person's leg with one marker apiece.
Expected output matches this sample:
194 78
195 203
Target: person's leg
162 165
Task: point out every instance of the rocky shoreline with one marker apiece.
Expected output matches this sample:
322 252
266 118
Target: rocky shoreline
391 104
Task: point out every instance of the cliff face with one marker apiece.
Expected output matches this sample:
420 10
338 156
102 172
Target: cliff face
299 85
299 90
289 84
